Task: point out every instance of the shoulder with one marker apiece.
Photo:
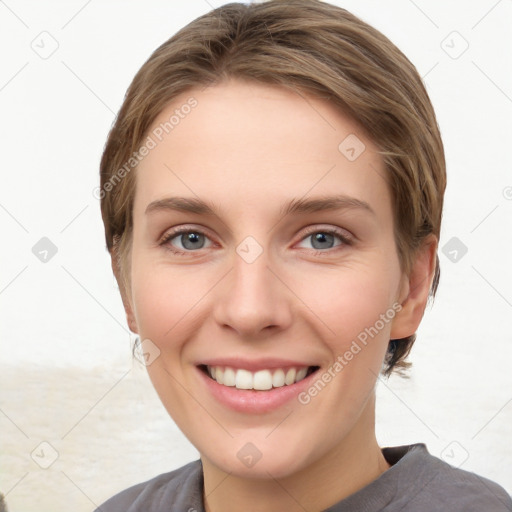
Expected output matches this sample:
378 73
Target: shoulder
180 489
428 483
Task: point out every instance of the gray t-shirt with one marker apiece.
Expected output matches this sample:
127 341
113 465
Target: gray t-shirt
415 482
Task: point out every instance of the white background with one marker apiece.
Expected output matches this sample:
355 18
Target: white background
66 373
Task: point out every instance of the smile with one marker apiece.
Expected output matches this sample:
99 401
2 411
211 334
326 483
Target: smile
261 380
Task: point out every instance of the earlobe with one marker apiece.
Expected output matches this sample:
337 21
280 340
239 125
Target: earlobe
130 317
417 288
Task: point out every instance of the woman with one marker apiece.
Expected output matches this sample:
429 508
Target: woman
272 194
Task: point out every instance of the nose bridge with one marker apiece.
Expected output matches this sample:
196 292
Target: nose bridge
252 298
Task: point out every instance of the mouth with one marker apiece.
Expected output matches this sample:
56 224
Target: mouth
261 380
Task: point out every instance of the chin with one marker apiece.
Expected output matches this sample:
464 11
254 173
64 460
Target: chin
262 459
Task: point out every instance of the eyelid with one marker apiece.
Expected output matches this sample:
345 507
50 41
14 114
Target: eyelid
345 236
181 230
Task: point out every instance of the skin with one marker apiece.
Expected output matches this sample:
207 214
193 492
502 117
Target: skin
249 148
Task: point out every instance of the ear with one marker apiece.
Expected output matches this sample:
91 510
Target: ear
125 296
415 290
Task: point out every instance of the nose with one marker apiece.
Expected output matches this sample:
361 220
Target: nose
253 299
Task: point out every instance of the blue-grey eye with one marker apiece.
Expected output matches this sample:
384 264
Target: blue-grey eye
192 240
323 240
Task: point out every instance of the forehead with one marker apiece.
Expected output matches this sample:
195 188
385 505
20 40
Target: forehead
242 143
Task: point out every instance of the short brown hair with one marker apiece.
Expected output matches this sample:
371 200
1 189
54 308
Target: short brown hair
310 47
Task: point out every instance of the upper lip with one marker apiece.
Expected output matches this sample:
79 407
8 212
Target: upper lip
254 365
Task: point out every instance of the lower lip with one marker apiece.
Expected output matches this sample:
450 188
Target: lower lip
251 401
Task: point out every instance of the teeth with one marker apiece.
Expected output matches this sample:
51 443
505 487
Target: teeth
278 379
261 380
229 377
243 379
301 374
290 376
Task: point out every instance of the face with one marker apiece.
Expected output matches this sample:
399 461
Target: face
268 281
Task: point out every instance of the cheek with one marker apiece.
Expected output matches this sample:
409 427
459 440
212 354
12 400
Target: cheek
164 299
350 300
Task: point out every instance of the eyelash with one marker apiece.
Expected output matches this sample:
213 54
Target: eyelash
310 231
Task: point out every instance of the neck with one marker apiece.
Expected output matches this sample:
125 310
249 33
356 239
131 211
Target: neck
351 465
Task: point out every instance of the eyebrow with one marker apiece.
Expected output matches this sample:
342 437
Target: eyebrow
325 203
295 206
